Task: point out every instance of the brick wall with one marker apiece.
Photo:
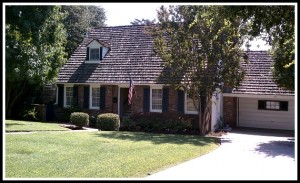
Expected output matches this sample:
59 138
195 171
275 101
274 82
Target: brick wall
230 110
111 105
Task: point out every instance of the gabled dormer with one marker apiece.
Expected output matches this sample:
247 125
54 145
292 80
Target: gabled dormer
95 52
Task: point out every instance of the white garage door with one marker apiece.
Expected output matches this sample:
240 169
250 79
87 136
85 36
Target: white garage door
251 116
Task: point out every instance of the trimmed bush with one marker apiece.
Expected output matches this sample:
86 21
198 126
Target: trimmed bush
79 119
108 122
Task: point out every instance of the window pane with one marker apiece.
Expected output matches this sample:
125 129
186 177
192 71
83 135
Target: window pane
95 97
95 53
190 104
69 95
157 99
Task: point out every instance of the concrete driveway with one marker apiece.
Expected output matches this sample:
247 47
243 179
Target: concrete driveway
244 154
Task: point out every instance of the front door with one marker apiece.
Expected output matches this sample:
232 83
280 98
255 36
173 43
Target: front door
123 101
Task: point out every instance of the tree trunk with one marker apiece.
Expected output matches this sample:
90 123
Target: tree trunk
207 115
200 116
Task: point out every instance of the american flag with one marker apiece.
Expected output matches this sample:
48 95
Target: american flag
130 92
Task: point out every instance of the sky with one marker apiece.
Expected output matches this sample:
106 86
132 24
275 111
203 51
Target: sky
123 13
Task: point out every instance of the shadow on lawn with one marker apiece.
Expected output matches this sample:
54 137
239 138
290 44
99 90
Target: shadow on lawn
160 138
12 124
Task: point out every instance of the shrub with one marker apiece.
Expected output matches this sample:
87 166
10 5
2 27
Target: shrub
108 122
66 113
30 114
128 124
79 119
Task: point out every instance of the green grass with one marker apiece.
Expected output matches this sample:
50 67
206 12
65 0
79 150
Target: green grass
29 126
98 154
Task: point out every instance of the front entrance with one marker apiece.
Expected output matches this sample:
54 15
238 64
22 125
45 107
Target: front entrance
124 108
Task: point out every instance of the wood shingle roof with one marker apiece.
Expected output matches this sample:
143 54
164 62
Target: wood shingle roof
258 78
131 55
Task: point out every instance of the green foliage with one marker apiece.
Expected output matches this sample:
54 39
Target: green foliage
30 114
34 46
143 22
127 124
108 122
276 24
79 119
79 20
165 123
201 49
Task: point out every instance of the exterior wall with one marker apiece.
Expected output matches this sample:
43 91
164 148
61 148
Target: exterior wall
112 100
216 111
230 111
137 107
137 99
250 116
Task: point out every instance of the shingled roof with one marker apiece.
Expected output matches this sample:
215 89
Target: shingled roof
131 55
258 78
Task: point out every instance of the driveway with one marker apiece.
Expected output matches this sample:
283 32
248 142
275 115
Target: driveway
244 154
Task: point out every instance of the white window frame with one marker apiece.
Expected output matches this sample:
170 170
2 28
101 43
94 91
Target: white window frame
185 106
91 97
151 109
65 94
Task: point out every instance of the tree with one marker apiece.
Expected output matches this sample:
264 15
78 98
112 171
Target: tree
201 50
79 20
143 22
35 49
278 21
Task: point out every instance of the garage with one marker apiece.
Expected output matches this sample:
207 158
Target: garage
268 113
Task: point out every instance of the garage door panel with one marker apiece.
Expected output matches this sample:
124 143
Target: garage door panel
250 116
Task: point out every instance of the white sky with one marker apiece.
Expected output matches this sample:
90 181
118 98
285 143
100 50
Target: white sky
123 13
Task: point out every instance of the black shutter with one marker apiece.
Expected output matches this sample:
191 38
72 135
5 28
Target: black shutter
284 105
146 104
101 49
86 97
102 98
87 53
60 97
180 101
261 104
165 100
75 96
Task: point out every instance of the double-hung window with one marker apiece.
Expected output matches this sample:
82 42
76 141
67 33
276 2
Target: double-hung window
94 54
69 96
190 107
95 97
156 99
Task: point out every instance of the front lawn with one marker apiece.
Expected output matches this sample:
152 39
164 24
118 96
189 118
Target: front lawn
98 154
29 126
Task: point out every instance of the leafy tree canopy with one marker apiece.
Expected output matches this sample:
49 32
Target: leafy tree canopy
35 48
201 50
79 20
143 22
278 22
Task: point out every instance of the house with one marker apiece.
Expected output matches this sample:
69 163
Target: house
258 102
96 80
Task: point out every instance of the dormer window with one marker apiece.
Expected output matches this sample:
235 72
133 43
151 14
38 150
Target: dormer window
95 52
